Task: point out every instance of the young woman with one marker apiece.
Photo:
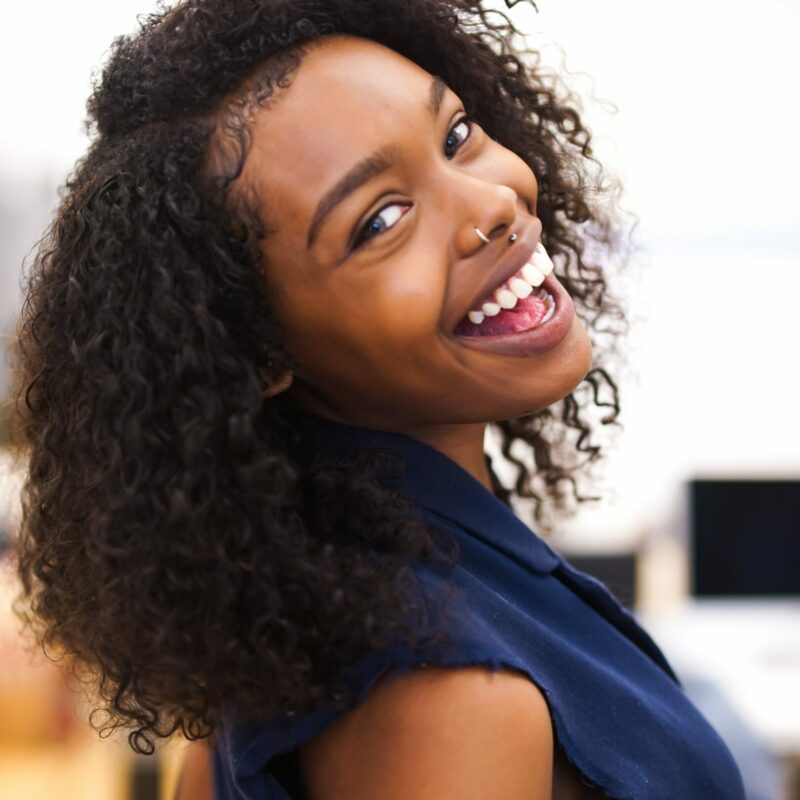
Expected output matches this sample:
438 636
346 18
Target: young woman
316 249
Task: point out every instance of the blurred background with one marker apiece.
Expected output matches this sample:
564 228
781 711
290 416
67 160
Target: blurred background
694 106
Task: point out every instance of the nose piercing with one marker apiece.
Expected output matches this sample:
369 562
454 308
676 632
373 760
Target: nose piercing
512 238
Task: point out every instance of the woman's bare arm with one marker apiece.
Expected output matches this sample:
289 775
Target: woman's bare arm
430 734
434 734
194 782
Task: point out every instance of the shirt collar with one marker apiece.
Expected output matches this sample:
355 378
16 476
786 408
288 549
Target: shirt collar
437 483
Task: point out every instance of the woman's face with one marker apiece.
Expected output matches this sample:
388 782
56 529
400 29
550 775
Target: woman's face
369 289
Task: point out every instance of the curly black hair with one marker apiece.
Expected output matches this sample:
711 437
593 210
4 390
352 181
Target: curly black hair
181 548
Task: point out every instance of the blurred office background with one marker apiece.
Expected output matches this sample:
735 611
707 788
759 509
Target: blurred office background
695 107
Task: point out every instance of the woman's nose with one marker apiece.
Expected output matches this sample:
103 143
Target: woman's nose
488 213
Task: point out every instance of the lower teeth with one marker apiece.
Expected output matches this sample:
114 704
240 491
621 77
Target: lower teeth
542 294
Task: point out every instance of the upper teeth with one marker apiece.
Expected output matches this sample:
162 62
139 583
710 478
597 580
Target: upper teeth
518 286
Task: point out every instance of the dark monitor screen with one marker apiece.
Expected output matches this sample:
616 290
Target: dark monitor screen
744 537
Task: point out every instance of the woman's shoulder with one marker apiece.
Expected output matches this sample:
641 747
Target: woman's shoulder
554 647
456 665
442 731
445 726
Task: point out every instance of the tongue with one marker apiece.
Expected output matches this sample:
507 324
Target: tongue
526 314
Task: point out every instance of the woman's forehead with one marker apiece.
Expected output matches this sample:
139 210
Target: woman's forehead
350 98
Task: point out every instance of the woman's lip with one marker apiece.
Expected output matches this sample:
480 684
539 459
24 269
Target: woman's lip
538 340
506 267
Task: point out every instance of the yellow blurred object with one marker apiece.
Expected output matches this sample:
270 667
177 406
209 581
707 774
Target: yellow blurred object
36 706
47 748
83 769
35 710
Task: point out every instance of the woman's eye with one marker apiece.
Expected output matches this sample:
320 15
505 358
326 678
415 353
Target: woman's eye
380 222
465 125
388 215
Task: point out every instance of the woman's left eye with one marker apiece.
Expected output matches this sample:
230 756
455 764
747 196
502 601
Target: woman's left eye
465 123
374 226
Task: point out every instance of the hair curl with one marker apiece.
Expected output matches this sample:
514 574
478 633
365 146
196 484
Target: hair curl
179 545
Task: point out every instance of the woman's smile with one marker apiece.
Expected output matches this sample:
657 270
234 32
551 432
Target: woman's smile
372 178
525 310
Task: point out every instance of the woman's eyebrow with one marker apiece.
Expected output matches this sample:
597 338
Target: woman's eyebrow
366 169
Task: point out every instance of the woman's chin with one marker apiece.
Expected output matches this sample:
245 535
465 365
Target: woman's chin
573 364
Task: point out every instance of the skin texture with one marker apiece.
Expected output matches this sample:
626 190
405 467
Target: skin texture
195 781
437 733
370 326
430 733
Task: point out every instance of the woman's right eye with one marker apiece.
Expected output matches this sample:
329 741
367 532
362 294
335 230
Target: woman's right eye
379 222
370 230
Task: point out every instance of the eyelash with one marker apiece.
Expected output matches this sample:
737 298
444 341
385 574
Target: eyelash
359 239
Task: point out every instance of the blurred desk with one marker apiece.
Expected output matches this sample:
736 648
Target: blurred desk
739 661
751 650
75 771
47 749
86 768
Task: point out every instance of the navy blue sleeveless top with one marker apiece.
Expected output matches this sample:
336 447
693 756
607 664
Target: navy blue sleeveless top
619 713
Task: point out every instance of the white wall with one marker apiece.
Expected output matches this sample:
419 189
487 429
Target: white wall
47 53
48 50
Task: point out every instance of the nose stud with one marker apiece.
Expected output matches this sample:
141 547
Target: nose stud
512 238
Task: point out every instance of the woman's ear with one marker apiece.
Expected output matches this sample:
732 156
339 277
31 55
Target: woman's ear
276 386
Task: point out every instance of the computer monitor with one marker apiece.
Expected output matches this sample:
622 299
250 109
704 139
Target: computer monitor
616 570
744 537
